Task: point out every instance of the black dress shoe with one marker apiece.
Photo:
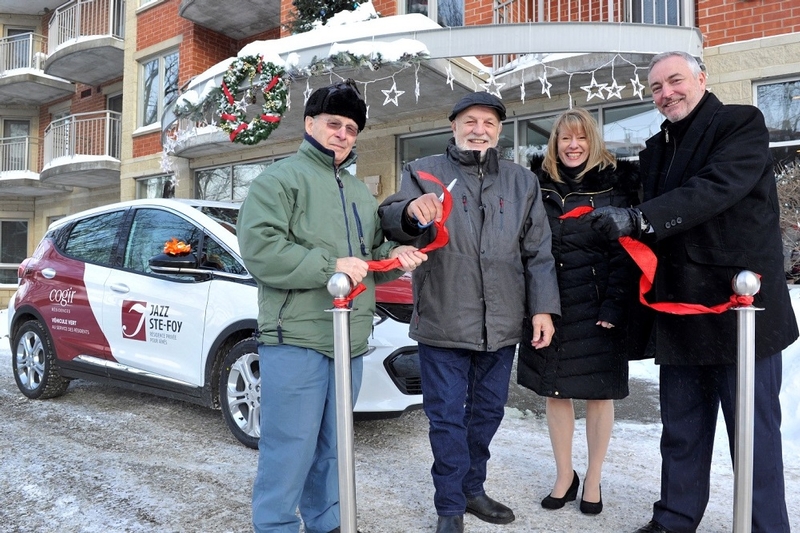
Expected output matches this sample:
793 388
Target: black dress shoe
549 502
591 507
450 524
489 510
653 527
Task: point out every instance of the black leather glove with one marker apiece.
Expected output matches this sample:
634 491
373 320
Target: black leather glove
616 222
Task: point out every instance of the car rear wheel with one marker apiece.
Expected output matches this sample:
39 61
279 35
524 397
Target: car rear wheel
34 363
240 392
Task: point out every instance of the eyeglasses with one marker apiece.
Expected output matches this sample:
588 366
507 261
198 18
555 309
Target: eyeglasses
337 125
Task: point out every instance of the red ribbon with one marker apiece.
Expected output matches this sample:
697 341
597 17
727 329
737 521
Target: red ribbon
647 261
238 130
273 82
270 118
442 237
227 92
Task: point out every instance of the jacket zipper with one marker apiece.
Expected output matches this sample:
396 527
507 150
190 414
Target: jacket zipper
280 316
360 231
502 218
469 216
563 199
344 211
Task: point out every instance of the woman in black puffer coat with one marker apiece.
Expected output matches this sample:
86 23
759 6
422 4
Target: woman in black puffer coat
597 281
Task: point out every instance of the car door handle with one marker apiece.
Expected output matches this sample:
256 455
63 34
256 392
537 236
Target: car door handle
49 273
119 287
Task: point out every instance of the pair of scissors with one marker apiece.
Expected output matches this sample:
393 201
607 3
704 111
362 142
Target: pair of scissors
441 199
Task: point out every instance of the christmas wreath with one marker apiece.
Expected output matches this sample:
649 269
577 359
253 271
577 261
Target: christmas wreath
263 76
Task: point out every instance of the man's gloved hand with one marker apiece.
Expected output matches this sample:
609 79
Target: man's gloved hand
616 222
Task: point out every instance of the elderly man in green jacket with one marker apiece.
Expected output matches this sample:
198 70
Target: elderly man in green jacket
305 218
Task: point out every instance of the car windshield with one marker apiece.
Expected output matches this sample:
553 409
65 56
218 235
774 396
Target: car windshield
226 216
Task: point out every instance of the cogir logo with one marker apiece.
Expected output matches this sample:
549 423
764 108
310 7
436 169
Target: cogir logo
62 296
133 316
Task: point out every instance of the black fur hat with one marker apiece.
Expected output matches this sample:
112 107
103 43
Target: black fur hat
341 99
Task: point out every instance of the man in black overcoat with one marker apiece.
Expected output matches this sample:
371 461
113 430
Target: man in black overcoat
710 210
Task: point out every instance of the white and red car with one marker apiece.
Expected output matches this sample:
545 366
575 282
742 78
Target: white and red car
100 300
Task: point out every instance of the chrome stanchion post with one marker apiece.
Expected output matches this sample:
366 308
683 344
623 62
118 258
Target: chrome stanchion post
339 287
745 283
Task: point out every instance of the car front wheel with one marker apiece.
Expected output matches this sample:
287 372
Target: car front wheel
240 392
34 363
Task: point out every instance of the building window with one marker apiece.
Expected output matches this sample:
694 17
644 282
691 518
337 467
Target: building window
13 248
15 145
448 13
155 187
228 183
159 87
780 103
625 130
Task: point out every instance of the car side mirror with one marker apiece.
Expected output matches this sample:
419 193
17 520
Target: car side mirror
172 264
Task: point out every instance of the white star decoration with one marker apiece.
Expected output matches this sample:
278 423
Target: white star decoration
545 85
594 89
492 87
241 105
450 78
614 89
638 88
307 93
393 91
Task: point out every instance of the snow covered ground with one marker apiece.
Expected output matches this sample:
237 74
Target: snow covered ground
100 459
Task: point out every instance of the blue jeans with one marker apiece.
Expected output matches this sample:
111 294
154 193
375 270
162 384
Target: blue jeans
297 457
691 397
464 393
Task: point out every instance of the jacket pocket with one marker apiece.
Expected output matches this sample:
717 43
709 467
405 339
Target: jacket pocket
716 256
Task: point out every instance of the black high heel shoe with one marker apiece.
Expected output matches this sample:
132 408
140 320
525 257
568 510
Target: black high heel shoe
591 507
549 502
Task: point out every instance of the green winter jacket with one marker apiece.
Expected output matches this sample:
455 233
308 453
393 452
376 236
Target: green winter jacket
300 215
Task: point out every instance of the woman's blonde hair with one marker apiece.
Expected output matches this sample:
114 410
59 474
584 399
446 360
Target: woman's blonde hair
575 120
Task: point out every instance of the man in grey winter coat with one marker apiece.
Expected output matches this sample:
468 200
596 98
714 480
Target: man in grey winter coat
471 297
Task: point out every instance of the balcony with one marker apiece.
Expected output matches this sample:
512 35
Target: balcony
676 13
236 19
85 41
18 169
22 78
83 150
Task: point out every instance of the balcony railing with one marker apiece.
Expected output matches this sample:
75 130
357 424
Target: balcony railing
95 134
663 12
22 51
86 18
15 154
669 12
